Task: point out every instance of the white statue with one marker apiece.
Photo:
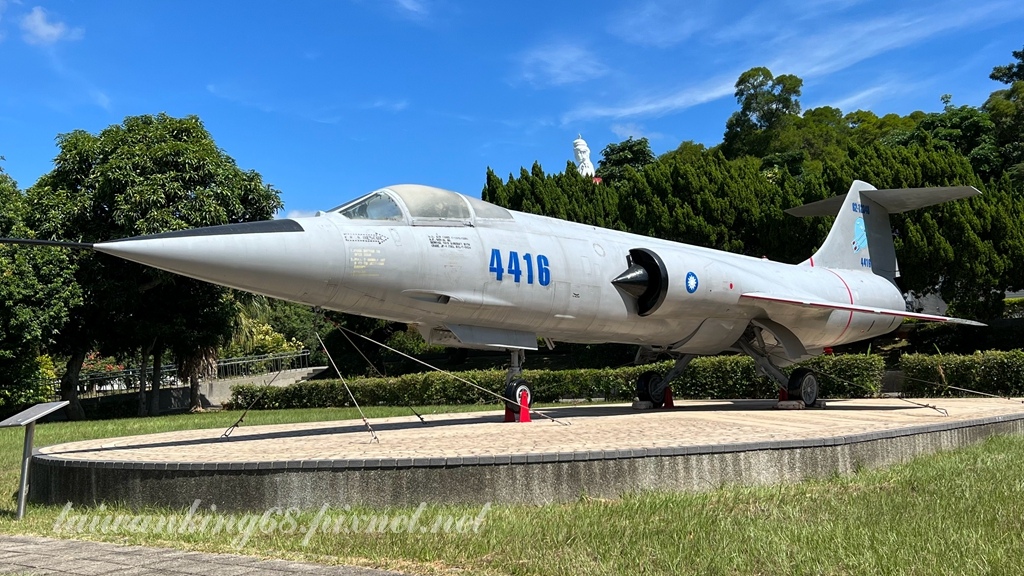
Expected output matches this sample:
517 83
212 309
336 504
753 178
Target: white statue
582 151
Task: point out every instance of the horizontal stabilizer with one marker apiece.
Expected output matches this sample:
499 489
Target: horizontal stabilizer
894 201
805 303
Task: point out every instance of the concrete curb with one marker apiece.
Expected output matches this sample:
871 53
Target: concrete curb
537 478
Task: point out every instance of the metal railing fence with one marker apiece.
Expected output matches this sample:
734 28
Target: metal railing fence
91 384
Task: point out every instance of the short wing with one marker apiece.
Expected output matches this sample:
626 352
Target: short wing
805 303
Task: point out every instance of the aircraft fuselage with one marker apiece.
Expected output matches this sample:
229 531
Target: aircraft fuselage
527 276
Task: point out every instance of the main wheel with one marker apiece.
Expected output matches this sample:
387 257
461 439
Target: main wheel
803 385
512 392
646 388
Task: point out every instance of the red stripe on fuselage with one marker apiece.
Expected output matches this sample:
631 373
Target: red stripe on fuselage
850 293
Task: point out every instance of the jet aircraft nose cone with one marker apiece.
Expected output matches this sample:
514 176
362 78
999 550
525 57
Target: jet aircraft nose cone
280 258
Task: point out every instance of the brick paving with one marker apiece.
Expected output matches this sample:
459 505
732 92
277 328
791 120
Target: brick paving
481 434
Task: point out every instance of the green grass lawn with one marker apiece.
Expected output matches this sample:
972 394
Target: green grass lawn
959 512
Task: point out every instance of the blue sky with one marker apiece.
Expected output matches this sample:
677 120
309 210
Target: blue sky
328 100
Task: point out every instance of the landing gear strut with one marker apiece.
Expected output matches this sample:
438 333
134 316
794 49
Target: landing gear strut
653 387
516 386
802 384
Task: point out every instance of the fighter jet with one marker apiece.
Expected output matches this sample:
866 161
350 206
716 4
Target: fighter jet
471 274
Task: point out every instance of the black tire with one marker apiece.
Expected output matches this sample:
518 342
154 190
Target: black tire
645 386
512 390
803 385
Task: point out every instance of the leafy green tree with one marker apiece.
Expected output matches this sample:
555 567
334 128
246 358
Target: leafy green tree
767 102
867 129
265 340
36 293
616 157
146 175
1012 72
1006 111
301 323
565 195
967 130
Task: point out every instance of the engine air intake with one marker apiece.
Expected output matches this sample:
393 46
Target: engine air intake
646 280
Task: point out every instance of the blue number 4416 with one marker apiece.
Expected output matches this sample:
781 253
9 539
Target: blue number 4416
516 265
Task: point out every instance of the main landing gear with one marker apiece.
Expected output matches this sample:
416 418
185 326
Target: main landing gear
801 385
654 388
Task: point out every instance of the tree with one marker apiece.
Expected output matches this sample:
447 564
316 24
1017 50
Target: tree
866 128
36 293
615 157
1005 108
146 175
766 103
1012 72
969 131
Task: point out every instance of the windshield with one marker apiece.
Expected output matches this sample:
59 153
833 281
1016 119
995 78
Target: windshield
376 206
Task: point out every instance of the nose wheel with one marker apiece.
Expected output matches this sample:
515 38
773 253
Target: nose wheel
514 392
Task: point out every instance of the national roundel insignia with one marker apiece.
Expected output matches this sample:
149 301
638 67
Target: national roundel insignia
691 282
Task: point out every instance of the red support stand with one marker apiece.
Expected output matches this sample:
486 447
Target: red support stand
668 398
783 394
524 406
510 416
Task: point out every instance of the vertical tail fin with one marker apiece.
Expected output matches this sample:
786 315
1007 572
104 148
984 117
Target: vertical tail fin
861 237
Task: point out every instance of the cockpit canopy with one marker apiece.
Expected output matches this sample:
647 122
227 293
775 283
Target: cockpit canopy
421 205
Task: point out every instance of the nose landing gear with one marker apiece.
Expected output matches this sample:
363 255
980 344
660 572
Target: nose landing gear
518 395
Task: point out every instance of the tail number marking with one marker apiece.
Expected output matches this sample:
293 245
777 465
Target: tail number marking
518 265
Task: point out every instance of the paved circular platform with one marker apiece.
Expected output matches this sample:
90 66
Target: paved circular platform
603 450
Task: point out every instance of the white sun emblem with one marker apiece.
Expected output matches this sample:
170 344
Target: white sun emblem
691 282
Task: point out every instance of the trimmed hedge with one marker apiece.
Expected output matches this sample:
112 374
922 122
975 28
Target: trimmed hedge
716 377
992 372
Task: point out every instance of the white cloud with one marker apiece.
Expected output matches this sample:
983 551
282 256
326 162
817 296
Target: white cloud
661 24
414 7
707 91
864 98
41 31
233 92
837 47
100 98
389 105
809 43
560 64
634 130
